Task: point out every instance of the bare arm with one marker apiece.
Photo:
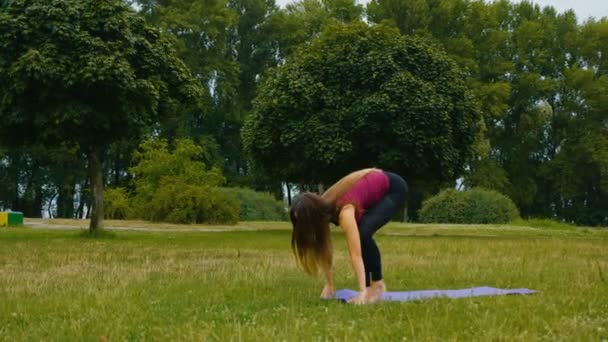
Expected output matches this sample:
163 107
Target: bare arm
328 289
350 228
329 280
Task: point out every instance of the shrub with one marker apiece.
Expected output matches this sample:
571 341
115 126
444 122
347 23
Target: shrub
176 186
472 206
180 202
116 204
257 206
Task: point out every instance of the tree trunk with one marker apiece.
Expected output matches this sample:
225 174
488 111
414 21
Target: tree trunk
14 172
96 181
16 203
38 202
82 199
30 203
49 209
65 198
80 210
288 194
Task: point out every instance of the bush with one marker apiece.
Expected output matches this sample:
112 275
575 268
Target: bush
472 206
175 186
116 204
257 206
179 202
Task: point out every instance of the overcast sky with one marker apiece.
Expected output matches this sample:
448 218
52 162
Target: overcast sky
583 8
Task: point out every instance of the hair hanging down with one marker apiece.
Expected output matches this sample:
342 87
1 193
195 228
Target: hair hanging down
310 239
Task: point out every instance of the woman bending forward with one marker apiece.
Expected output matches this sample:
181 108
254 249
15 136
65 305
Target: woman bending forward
361 203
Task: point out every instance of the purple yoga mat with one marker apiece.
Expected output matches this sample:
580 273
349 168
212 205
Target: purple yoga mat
403 296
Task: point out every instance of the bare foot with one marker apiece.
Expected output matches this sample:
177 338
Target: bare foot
379 285
377 289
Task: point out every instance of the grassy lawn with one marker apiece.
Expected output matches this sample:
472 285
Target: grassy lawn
57 285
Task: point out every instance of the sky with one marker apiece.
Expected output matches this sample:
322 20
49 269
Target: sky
583 8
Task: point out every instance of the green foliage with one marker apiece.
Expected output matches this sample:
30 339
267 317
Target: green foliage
66 169
23 174
473 206
228 44
578 172
488 174
88 71
300 21
200 30
257 206
173 186
541 80
35 177
360 96
80 73
179 202
85 73
155 161
117 204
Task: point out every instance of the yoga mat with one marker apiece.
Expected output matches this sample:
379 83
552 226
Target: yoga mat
403 296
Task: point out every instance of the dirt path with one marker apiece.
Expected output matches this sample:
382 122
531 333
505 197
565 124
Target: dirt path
84 226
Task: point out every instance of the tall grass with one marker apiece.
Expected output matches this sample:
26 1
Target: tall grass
244 285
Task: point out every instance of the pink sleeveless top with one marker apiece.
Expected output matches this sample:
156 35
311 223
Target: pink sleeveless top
365 193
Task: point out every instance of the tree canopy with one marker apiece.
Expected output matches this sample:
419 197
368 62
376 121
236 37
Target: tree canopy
71 68
88 72
361 96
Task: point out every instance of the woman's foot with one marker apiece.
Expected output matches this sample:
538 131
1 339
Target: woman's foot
379 286
376 290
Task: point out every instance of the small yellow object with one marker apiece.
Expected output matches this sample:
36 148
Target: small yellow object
3 219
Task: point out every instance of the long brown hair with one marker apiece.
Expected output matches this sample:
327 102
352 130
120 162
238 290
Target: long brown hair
310 239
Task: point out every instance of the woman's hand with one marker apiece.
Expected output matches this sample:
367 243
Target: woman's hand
328 292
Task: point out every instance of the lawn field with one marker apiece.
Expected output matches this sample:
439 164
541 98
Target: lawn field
242 284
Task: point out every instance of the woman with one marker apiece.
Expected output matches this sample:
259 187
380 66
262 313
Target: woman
361 203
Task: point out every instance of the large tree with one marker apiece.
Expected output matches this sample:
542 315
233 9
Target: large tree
200 31
361 96
227 44
539 77
577 174
85 72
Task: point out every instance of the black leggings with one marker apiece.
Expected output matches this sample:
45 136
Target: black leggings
376 217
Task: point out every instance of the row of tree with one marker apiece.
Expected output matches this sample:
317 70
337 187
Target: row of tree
91 78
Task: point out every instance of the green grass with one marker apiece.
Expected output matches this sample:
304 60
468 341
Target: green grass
58 285
544 224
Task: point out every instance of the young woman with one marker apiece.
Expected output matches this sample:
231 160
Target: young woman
361 203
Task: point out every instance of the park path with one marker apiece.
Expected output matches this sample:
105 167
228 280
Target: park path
46 225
